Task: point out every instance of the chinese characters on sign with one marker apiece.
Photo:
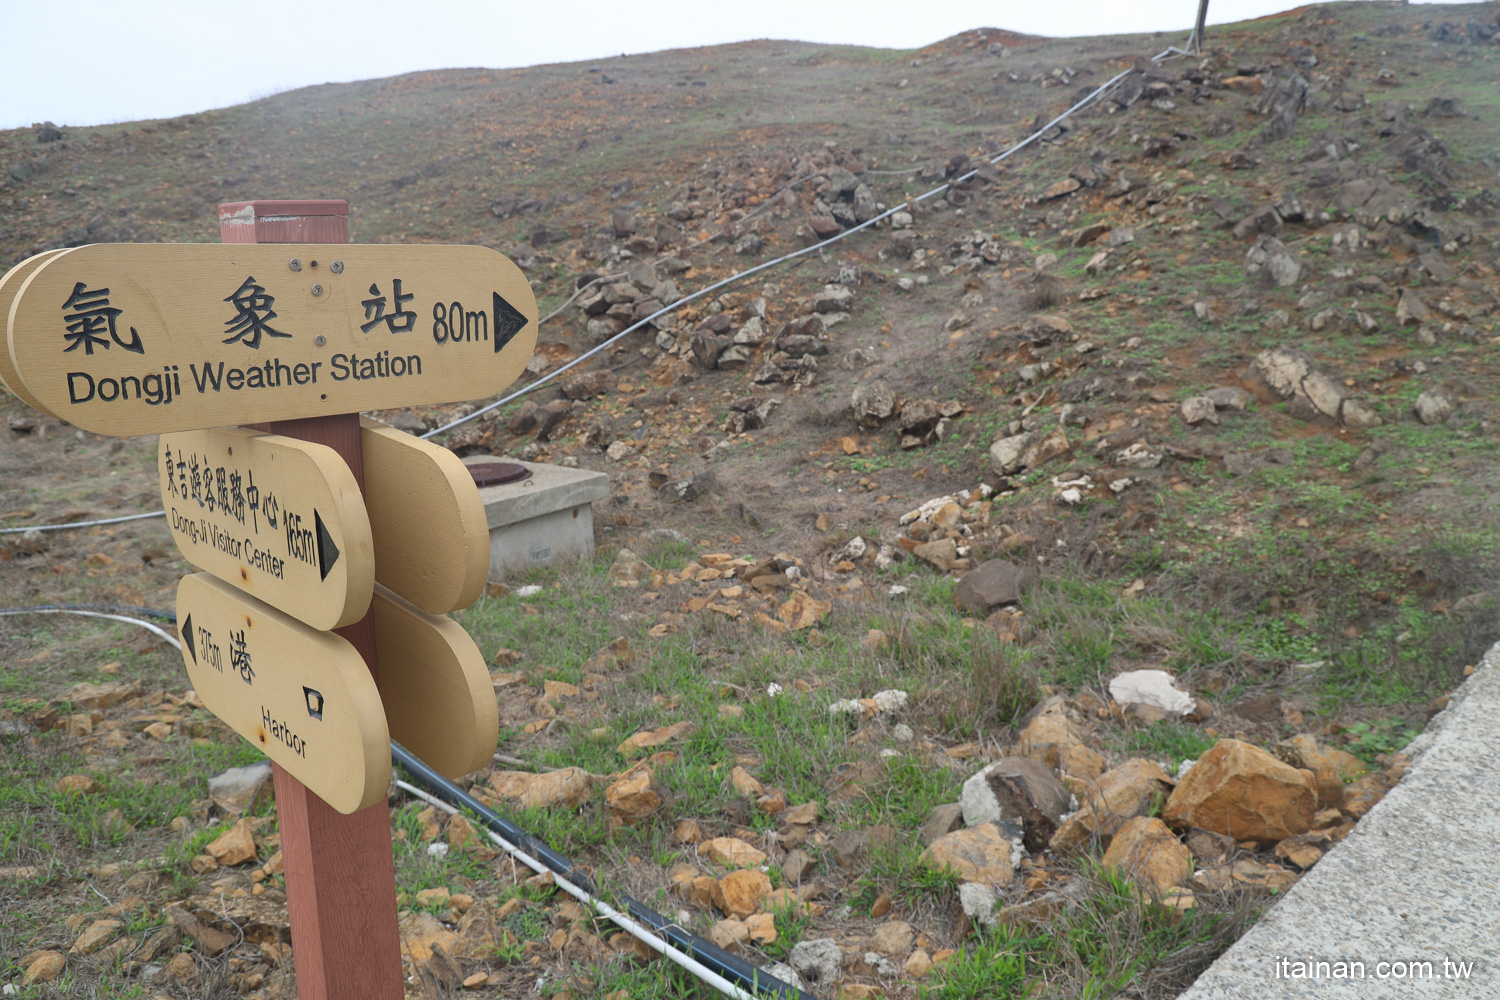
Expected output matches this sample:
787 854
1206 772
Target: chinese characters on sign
376 314
253 314
93 318
217 488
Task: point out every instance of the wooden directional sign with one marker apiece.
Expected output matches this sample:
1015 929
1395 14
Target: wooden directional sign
432 543
302 696
124 339
439 701
278 518
10 287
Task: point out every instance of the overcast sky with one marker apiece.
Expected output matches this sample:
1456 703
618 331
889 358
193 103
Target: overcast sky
87 62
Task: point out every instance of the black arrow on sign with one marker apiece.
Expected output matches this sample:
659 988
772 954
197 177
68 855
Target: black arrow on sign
328 552
509 321
187 636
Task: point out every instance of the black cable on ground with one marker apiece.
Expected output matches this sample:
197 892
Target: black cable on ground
731 967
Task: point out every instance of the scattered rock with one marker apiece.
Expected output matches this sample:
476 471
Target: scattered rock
1270 259
44 968
801 611
1133 789
567 788
978 854
796 866
628 569
207 939
1146 851
422 933
873 403
993 584
944 819
1243 792
1019 794
741 893
731 852
1199 410
1410 309
1056 738
1230 398
978 902
1151 687
633 798
100 696
233 847
1018 452
75 784
1302 752
818 961
940 553
1289 374
1433 406
241 789
894 937
95 936
833 299
182 969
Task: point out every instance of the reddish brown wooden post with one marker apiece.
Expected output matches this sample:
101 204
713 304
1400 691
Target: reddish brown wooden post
340 875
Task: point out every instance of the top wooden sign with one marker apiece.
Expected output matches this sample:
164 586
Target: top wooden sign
124 339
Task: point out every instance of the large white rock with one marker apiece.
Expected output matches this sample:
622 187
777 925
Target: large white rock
1151 687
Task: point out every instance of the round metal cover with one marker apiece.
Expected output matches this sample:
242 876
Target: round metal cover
498 473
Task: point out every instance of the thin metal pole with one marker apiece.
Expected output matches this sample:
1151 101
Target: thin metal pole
1195 45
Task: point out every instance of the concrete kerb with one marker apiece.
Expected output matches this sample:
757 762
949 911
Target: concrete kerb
1418 881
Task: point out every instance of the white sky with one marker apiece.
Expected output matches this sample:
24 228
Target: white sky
87 62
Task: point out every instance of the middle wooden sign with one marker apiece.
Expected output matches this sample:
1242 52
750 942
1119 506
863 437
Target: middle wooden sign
275 517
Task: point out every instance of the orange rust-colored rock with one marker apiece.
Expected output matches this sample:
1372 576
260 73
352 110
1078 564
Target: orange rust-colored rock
1128 791
1360 797
1147 852
979 854
632 798
1243 792
1303 752
235 846
1057 738
741 893
732 852
570 788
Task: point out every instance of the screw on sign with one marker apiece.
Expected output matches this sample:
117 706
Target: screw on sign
182 340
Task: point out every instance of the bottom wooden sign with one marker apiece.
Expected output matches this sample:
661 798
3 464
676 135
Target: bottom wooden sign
439 701
302 696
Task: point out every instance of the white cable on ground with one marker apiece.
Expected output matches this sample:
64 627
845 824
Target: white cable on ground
626 924
94 614
83 524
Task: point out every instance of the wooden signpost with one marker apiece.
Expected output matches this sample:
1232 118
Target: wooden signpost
275 517
304 697
123 338
363 537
